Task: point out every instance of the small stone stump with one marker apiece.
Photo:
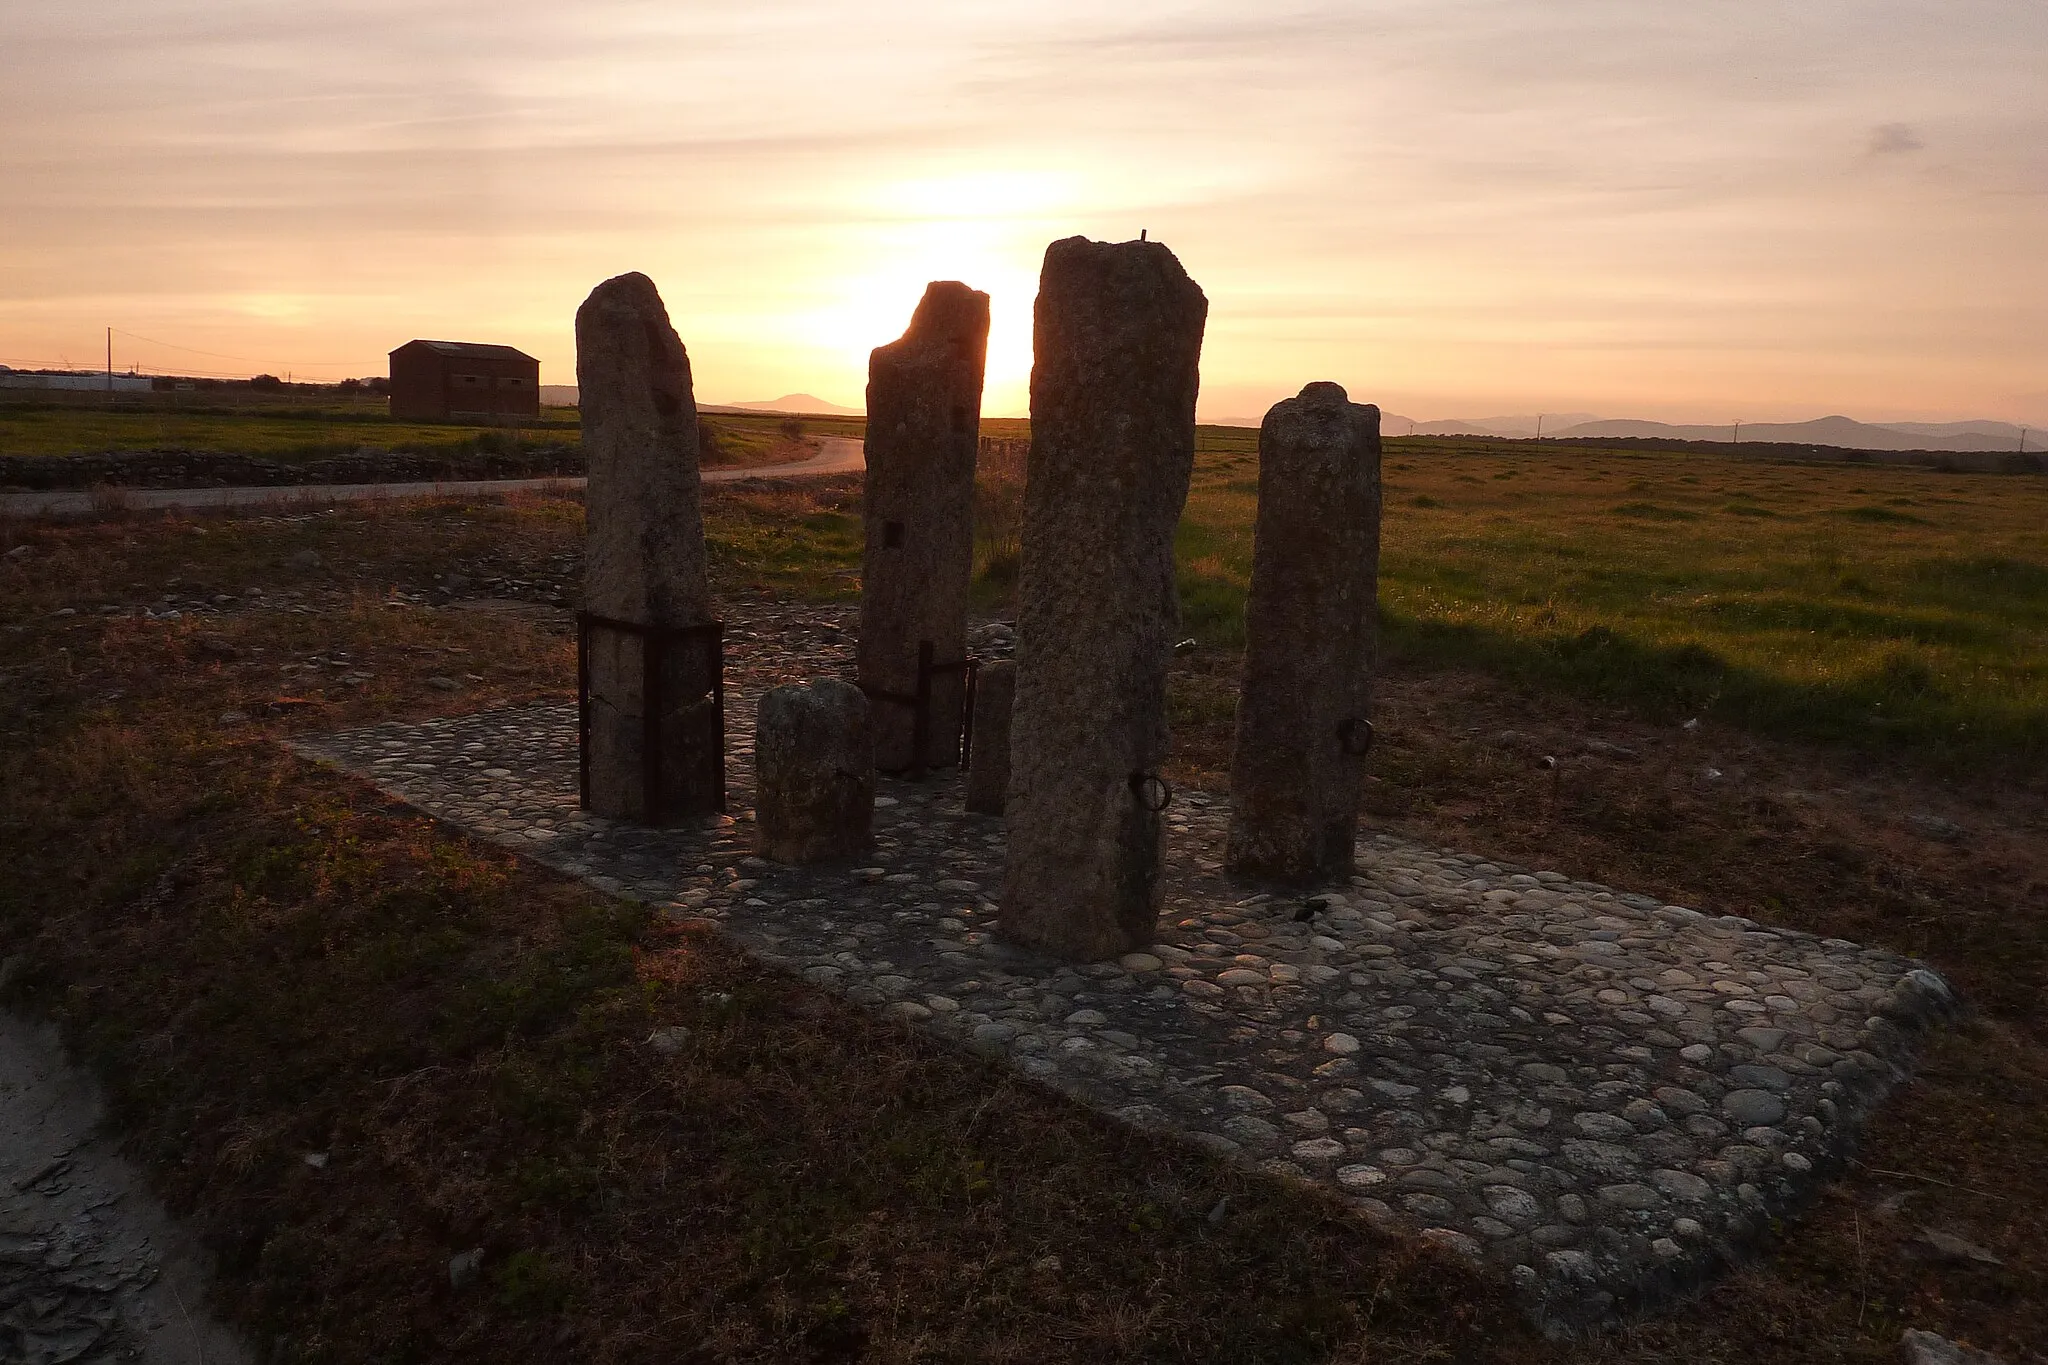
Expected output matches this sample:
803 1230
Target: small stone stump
1118 340
1298 769
814 767
924 423
645 596
988 766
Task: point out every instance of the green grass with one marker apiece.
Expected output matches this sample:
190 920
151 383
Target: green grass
298 427
805 540
279 433
1792 599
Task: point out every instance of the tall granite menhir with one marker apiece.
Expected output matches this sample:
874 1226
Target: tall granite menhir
1309 625
644 563
924 421
1118 342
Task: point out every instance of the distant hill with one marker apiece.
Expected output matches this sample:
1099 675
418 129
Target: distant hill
1514 428
1391 423
1844 432
565 395
800 403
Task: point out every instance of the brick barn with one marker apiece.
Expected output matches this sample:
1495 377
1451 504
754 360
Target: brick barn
438 381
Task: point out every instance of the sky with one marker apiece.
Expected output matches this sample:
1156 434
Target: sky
1726 209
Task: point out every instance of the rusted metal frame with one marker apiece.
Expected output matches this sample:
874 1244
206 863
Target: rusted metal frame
920 704
973 685
583 710
654 643
921 714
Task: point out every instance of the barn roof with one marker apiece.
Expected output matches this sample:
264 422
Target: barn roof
473 350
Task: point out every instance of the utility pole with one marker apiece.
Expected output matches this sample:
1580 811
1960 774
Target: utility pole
2023 440
1738 433
1539 426
110 362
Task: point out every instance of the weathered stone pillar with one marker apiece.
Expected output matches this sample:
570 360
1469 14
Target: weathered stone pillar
1309 634
1118 343
924 420
814 772
988 767
644 564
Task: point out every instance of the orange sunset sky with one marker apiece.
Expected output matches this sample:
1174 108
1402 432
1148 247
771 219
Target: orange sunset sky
1730 208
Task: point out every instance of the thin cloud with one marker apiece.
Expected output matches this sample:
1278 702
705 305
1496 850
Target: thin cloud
1894 139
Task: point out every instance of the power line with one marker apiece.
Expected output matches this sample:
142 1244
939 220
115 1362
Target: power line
190 350
221 355
69 367
181 372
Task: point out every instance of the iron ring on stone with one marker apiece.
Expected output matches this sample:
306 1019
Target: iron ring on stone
1354 736
1152 791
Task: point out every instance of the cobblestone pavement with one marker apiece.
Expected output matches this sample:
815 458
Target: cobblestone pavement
1601 1096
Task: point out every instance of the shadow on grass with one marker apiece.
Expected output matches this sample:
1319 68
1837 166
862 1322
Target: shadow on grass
1899 704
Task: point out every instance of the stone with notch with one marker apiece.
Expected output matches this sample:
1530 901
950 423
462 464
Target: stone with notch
1298 768
644 562
1117 338
924 424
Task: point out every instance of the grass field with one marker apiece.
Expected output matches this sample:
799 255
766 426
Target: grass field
1885 608
264 960
294 427
1890 607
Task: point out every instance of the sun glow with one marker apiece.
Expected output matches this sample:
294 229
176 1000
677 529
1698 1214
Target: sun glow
987 229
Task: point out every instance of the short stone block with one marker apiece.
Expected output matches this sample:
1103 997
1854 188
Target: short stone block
988 766
814 758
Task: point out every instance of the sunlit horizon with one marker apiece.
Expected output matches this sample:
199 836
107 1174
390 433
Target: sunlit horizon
1454 209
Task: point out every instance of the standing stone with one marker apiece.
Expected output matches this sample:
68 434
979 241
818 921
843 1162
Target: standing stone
988 767
1118 343
1309 632
814 769
644 558
924 422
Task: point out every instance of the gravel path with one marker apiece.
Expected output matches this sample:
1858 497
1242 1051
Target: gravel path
1603 1097
836 455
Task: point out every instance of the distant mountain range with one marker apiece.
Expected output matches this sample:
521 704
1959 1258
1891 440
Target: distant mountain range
1843 432
789 402
566 395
